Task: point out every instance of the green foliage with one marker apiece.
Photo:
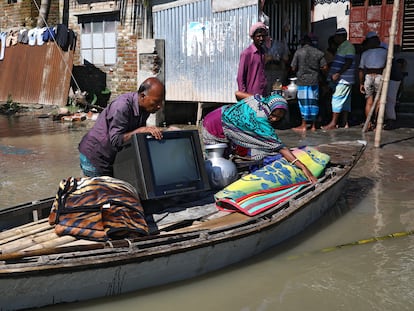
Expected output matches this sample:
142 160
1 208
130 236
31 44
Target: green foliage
10 107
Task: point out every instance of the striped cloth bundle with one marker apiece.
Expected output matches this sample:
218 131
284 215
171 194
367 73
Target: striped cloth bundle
97 208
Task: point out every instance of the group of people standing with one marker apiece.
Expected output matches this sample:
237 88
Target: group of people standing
325 80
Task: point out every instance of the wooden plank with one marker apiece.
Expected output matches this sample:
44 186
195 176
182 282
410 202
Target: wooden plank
231 219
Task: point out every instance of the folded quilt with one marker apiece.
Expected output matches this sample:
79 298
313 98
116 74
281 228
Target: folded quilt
260 201
271 183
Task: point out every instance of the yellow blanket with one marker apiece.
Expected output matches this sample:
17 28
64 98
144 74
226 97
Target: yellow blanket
278 173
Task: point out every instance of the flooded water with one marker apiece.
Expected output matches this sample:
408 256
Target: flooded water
323 269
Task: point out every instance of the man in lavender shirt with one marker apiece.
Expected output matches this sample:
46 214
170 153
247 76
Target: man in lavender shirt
124 117
251 74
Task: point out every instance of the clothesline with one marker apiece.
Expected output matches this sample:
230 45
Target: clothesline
65 37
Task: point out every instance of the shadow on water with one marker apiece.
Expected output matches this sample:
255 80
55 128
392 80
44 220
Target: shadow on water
397 141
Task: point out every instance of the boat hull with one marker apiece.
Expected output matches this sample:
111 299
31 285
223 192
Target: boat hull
132 271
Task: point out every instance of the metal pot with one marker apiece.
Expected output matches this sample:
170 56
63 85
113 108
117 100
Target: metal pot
292 89
221 172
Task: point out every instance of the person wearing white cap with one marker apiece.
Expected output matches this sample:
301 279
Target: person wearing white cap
341 78
371 65
251 76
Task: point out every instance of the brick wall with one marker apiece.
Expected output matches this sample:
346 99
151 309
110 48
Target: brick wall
121 77
24 13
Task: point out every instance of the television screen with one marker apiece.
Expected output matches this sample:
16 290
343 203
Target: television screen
179 166
163 168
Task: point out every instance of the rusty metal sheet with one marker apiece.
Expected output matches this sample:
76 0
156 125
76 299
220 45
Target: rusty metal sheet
36 74
374 13
374 18
358 14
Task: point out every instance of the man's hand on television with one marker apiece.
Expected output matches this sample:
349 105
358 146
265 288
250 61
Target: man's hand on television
153 130
173 128
156 132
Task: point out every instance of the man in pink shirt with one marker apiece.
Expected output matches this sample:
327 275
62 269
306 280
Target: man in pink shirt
251 74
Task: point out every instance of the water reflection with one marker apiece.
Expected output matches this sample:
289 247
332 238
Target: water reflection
37 153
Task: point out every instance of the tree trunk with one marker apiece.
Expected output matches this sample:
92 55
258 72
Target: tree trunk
43 13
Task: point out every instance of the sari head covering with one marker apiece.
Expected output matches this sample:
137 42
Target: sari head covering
276 101
246 124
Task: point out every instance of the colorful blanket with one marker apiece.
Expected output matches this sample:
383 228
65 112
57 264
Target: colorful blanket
260 201
271 184
98 208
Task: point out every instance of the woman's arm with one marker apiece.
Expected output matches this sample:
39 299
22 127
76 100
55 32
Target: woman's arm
288 155
242 95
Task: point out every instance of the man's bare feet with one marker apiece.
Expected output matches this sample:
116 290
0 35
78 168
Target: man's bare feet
300 129
329 127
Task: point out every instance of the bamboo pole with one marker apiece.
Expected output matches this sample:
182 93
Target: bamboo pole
28 241
54 242
35 229
23 228
386 76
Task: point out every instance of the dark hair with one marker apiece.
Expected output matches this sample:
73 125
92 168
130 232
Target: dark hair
144 87
306 39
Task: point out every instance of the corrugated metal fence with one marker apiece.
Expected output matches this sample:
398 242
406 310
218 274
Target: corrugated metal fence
202 49
36 74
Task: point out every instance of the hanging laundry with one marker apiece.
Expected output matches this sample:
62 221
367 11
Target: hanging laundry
49 34
3 36
32 36
23 36
65 38
12 36
39 35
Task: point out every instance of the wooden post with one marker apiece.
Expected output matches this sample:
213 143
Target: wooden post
386 76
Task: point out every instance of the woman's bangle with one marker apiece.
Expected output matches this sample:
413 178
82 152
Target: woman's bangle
294 161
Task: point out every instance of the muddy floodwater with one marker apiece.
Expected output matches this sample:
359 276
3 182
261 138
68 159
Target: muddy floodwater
360 256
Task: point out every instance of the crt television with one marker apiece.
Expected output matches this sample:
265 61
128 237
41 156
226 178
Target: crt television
163 168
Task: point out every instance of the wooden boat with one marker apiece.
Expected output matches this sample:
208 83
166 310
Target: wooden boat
39 268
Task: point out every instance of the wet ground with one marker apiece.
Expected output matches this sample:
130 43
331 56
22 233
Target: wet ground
312 271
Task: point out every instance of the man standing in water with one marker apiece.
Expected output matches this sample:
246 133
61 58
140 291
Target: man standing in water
124 117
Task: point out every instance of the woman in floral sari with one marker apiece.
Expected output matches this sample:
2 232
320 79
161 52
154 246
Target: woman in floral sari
247 127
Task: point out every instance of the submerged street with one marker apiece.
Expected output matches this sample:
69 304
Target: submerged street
312 271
